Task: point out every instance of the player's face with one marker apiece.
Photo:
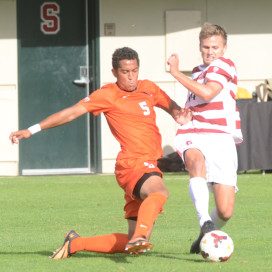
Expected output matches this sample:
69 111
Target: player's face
127 74
212 48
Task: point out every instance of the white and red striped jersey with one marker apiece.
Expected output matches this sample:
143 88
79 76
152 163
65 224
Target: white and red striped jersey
220 115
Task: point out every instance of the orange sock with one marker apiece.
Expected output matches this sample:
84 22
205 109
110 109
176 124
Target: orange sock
111 243
148 212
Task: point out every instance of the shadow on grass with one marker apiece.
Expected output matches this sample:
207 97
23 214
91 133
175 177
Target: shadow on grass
124 258
43 253
117 257
179 256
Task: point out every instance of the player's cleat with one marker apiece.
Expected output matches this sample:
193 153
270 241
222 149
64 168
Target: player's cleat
195 249
138 245
64 251
207 227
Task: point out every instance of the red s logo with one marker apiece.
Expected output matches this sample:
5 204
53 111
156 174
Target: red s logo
50 18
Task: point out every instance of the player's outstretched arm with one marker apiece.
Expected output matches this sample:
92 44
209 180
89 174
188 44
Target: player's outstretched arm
18 135
180 115
184 116
57 119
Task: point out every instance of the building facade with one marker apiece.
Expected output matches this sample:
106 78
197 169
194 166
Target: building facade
53 53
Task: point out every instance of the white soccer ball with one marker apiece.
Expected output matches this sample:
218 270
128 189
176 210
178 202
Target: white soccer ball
216 246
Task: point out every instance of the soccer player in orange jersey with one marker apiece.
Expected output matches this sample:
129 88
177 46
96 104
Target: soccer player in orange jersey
128 106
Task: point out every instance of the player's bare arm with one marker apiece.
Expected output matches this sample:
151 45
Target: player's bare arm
205 91
57 119
184 116
181 115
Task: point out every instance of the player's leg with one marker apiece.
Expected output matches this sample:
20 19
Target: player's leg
131 228
195 163
224 196
154 194
110 243
139 244
191 147
225 185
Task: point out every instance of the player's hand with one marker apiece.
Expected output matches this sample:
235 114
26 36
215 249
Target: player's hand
173 61
184 116
18 135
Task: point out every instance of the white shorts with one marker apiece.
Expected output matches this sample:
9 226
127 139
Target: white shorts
220 155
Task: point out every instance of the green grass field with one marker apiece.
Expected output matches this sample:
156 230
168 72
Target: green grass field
36 212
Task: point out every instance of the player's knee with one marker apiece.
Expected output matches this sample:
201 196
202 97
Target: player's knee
225 215
165 193
196 167
162 191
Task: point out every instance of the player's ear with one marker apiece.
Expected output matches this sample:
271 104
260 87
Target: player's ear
225 49
114 72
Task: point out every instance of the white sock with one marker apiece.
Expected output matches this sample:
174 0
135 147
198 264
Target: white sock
200 195
219 223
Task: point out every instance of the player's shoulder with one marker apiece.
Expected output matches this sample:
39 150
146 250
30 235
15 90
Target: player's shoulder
222 61
107 89
223 66
145 82
198 69
147 85
109 86
106 92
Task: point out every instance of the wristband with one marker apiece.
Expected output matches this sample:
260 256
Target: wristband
34 129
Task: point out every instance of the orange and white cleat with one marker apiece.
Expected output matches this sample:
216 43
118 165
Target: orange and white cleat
64 251
138 245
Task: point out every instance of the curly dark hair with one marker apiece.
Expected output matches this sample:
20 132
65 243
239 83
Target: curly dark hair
123 53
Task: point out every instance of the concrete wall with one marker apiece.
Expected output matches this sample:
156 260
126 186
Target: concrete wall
144 26
8 87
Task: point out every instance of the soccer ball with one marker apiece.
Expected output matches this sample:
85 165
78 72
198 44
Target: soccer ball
216 246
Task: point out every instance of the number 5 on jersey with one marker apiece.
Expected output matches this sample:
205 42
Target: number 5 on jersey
145 108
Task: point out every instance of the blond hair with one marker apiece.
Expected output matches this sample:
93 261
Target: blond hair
208 30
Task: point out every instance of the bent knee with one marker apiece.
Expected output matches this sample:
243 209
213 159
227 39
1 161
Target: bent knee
163 192
196 168
225 215
166 194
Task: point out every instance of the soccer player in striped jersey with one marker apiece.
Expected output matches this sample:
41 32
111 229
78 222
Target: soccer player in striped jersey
207 143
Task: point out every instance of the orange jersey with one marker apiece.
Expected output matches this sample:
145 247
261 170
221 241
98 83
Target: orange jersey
131 117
